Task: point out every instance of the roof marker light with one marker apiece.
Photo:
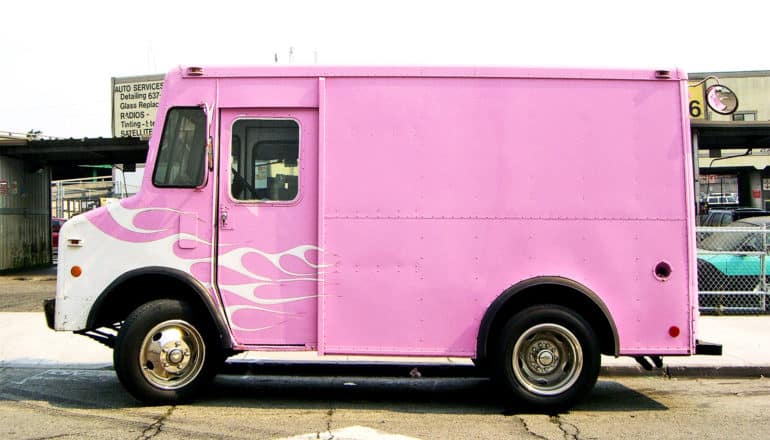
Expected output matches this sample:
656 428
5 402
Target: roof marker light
195 71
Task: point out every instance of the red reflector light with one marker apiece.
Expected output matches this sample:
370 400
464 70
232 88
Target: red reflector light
673 331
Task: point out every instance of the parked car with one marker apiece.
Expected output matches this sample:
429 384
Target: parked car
722 217
718 200
722 199
56 224
731 261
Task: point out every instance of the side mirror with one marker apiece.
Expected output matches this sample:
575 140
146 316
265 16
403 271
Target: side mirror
721 99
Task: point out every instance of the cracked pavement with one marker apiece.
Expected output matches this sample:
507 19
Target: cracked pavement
153 430
74 404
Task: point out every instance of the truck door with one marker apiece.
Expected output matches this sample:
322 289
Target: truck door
267 268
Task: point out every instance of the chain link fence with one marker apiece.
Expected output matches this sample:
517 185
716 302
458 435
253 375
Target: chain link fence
733 269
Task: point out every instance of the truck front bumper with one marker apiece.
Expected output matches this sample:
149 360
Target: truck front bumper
49 306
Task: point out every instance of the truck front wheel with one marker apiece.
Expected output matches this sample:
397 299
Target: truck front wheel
165 352
548 357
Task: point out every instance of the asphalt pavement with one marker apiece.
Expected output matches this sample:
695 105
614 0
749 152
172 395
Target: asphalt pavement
26 341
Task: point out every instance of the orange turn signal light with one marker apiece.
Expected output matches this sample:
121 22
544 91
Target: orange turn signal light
76 271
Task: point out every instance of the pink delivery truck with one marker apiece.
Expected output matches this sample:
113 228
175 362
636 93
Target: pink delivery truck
528 219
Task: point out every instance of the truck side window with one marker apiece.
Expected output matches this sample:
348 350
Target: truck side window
182 149
267 166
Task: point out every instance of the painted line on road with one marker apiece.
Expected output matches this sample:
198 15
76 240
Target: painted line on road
351 433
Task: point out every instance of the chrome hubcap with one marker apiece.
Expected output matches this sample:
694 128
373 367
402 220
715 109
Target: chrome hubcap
547 359
177 356
172 354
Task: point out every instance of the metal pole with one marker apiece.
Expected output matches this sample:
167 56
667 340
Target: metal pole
696 174
763 264
59 200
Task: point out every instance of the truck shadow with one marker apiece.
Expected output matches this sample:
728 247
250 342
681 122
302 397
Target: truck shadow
100 389
413 395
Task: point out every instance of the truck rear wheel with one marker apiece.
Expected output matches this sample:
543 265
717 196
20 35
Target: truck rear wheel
165 352
547 357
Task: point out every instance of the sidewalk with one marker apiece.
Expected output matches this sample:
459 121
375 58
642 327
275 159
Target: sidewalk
26 341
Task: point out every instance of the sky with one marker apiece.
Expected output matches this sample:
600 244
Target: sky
57 57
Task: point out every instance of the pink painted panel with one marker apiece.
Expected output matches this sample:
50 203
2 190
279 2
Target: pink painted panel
268 255
418 286
443 192
510 148
269 92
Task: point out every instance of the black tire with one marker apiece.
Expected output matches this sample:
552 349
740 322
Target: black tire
165 352
563 362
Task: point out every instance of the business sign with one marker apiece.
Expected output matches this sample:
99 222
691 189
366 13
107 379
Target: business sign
695 102
134 105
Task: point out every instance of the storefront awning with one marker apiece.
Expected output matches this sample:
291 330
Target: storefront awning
713 135
64 156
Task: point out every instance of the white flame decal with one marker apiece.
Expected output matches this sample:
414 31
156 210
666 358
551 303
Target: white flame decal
233 309
246 291
125 217
232 260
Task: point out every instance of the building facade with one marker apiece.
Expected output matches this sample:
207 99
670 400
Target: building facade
732 173
25 222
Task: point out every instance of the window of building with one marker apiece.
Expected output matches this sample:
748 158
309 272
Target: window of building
265 160
180 162
745 116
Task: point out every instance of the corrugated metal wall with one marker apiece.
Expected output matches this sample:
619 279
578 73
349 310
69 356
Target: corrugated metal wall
25 226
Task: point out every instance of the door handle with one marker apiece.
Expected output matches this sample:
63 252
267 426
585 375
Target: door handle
223 218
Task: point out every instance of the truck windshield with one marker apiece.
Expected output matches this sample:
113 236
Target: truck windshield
182 149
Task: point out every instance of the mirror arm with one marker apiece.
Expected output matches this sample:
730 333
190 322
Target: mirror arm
704 80
209 164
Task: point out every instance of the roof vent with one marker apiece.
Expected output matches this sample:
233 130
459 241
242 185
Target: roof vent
663 74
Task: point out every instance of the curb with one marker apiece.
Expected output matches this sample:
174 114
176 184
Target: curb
52 365
749 371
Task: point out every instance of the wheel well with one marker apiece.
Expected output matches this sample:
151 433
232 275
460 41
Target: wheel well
132 290
573 297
